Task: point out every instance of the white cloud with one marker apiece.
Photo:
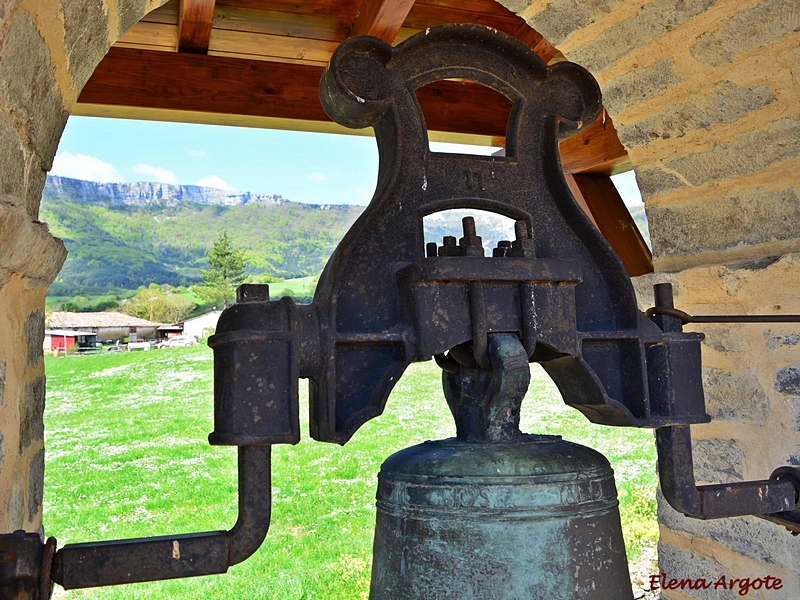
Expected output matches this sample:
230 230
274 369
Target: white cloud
82 166
317 177
214 181
159 174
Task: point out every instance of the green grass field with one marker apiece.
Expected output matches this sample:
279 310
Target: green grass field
127 456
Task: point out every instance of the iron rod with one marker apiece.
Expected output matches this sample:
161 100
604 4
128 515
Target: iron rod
170 557
687 318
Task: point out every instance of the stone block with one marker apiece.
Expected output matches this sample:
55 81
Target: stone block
745 153
717 460
640 84
727 103
787 380
12 160
35 485
735 219
735 396
86 38
747 30
2 450
2 382
653 20
682 564
34 185
794 406
725 338
561 17
777 341
28 79
752 537
654 180
33 330
28 248
16 508
132 11
31 425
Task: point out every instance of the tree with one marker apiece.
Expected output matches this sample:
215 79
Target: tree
224 274
156 304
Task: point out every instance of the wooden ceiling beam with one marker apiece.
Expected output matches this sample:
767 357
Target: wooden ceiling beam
149 80
536 42
614 221
381 18
595 149
194 25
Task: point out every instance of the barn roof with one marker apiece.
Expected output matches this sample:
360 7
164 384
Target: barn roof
71 320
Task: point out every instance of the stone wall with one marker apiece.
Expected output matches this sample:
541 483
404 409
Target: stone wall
48 49
705 95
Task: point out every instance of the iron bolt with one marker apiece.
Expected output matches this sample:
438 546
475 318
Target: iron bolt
449 247
471 244
252 292
523 246
502 249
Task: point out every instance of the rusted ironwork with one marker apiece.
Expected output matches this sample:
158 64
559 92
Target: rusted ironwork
775 499
557 294
684 317
170 557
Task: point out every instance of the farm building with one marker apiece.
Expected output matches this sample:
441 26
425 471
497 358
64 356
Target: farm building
702 101
69 341
203 325
107 326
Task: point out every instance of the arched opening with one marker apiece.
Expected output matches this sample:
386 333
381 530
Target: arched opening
491 227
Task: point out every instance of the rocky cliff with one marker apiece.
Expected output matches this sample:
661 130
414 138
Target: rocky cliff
145 194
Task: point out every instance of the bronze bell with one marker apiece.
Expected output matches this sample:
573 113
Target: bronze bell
495 514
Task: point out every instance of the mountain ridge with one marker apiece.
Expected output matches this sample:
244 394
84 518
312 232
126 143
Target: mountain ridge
147 193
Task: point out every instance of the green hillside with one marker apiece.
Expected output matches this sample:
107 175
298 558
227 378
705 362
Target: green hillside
125 246
123 236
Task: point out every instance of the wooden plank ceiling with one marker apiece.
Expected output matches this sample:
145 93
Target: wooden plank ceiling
258 63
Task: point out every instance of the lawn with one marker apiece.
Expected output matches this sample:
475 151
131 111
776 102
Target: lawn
127 456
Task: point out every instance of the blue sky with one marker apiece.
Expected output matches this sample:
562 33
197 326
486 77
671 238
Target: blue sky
303 167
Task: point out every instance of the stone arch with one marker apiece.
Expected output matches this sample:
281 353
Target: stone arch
46 56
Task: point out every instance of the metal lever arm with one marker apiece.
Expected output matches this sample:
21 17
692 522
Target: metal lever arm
676 473
170 557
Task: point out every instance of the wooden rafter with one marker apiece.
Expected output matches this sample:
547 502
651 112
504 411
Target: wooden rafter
596 149
141 79
614 221
222 86
536 42
194 25
381 18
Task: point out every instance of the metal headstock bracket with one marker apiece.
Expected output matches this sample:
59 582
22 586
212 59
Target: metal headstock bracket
384 300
